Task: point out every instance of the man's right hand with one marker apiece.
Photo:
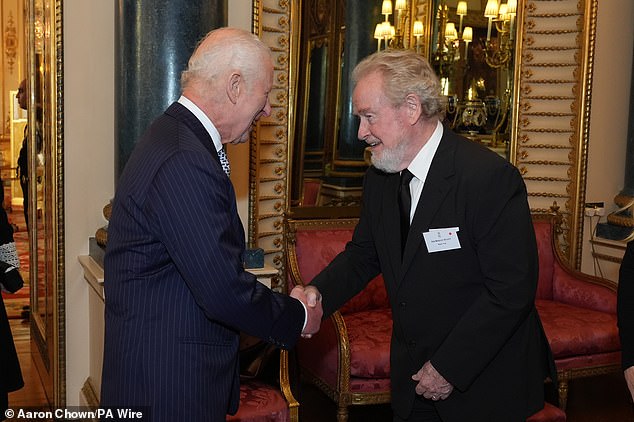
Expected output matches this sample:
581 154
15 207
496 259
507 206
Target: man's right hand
314 311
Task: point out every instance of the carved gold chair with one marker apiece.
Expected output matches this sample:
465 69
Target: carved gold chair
578 312
311 192
263 402
349 358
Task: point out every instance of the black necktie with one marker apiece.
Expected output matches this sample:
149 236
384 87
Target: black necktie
404 203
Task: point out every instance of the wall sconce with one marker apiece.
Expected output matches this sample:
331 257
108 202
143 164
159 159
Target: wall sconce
396 33
503 16
448 48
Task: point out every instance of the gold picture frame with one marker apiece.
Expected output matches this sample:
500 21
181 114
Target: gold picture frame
45 194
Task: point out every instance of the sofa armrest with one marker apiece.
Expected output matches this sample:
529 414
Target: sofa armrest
327 353
585 291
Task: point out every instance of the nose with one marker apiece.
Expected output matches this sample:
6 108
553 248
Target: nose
363 131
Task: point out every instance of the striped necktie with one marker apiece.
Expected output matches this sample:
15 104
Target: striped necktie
224 161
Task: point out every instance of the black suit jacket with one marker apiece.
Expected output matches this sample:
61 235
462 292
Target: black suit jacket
469 310
625 306
176 294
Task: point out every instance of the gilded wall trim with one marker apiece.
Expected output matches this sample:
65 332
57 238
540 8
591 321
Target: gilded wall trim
554 76
273 22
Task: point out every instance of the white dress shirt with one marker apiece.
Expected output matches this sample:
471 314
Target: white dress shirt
419 167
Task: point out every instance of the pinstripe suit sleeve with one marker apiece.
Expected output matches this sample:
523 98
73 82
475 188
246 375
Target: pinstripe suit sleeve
206 244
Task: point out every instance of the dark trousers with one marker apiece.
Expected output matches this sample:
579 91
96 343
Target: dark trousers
4 404
423 411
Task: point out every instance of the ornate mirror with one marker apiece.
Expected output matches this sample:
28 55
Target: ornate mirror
473 51
538 117
45 194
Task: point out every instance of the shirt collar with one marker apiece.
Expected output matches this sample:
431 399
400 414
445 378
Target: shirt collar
421 163
200 115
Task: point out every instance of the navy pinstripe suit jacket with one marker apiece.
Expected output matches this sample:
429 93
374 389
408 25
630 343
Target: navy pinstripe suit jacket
176 292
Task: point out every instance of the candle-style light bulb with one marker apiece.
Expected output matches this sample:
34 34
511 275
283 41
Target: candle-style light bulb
512 11
491 12
461 10
502 11
386 8
400 5
467 37
378 35
450 31
417 31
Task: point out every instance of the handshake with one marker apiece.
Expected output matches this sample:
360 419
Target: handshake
311 298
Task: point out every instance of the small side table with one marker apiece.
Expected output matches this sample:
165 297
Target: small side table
265 274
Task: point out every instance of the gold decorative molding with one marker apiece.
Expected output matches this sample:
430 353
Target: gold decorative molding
554 77
90 395
547 179
608 258
547 146
10 42
274 22
620 220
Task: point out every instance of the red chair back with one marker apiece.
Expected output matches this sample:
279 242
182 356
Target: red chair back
316 245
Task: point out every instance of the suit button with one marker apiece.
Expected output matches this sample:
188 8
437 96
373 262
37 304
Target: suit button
411 343
402 304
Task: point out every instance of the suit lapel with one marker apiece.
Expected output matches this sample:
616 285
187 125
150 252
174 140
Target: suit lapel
183 115
437 185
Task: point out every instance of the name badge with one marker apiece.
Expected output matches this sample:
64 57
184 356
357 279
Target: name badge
438 240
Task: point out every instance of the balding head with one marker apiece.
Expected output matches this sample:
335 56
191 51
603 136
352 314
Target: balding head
229 77
223 51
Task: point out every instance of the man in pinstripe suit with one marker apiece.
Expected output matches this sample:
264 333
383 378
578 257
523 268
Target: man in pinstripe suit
176 292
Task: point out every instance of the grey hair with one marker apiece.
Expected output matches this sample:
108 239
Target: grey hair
405 72
222 50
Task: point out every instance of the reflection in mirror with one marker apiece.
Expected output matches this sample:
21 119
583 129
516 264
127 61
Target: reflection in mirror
472 52
470 45
44 189
335 36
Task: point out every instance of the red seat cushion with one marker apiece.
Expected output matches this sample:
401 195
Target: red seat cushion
549 413
574 331
260 402
370 333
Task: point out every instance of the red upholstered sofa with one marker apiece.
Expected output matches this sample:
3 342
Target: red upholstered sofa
578 312
549 413
349 358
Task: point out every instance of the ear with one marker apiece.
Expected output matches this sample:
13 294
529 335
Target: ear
414 108
234 83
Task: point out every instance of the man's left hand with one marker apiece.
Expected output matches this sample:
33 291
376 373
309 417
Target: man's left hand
431 384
